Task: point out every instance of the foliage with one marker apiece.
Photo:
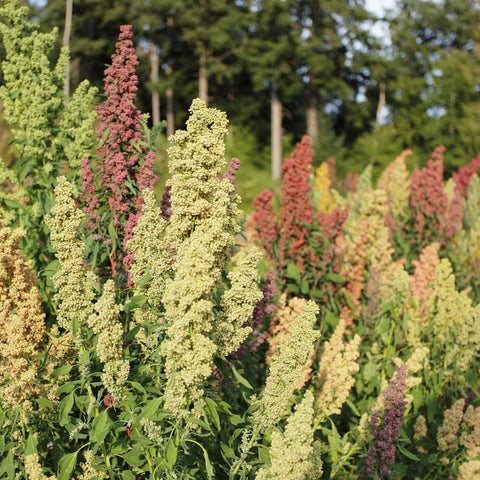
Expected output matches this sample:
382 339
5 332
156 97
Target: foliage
51 133
185 362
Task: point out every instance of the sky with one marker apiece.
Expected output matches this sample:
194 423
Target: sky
378 7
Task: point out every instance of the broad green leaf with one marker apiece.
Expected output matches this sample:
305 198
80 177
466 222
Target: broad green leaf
31 445
331 319
293 272
334 277
132 457
264 454
63 370
211 409
369 372
200 423
228 452
136 302
66 465
144 280
353 408
293 288
408 454
128 475
100 427
44 402
131 334
7 466
64 409
240 379
235 419
52 268
171 454
151 408
137 386
208 465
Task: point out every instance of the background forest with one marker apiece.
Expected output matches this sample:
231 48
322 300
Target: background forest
280 69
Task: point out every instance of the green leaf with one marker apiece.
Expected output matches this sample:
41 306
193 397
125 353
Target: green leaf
353 408
318 293
264 454
200 423
211 409
128 475
331 319
150 408
171 454
408 454
66 465
52 268
44 402
144 280
31 445
66 388
63 370
8 466
432 403
105 134
240 379
208 465
131 334
369 372
227 451
138 387
136 302
64 409
294 272
12 204
293 288
334 277
100 427
236 419
304 287
132 457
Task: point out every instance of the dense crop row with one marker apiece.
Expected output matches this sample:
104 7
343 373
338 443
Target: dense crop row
337 336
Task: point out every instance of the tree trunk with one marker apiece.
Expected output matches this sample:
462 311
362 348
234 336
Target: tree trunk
154 67
202 79
276 134
170 114
312 118
381 104
66 43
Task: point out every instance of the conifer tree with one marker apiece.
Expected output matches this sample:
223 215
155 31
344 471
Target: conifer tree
270 53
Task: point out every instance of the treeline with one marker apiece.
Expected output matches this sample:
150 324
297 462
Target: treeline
298 66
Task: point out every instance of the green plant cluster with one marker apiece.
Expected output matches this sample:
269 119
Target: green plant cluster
360 361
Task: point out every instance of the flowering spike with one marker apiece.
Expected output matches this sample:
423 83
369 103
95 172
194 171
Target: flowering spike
384 426
123 156
296 209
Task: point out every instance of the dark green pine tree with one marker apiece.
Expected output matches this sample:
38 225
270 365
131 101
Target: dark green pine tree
158 25
432 78
270 53
214 30
456 82
333 60
95 26
416 43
